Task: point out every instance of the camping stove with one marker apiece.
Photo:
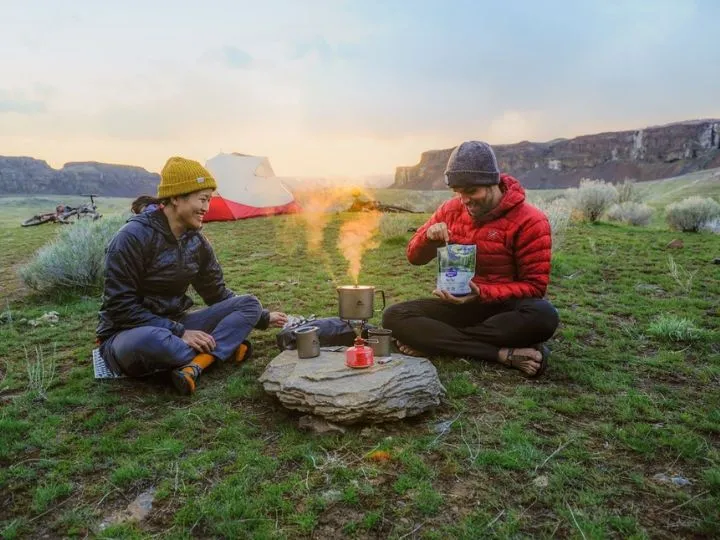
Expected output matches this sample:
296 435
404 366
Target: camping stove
359 355
356 307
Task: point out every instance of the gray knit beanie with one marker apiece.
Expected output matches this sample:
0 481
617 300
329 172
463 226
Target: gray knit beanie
473 163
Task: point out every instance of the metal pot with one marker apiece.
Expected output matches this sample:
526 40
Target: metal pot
356 302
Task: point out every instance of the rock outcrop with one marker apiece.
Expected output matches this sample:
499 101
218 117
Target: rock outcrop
325 387
24 175
645 154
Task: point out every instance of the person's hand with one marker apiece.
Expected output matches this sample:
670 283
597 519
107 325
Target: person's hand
447 297
438 232
277 319
199 340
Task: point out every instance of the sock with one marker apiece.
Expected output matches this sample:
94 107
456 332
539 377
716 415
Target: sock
198 365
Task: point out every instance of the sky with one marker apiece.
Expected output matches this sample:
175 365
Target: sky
341 88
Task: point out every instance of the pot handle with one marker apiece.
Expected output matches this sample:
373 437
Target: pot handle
382 293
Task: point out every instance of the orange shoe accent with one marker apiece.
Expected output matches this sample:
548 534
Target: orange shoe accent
203 360
241 353
191 371
184 381
184 378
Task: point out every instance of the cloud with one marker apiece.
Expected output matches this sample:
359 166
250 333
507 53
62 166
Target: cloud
23 102
531 74
336 85
236 58
316 45
21 106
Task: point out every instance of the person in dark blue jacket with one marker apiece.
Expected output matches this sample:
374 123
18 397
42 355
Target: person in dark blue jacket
145 321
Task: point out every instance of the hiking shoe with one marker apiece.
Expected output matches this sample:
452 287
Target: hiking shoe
184 380
243 352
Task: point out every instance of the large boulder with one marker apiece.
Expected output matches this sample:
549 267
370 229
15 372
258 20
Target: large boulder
325 387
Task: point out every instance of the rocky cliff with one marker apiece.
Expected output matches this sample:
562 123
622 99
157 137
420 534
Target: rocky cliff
645 154
24 175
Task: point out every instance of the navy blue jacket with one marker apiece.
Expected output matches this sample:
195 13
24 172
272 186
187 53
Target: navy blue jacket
148 272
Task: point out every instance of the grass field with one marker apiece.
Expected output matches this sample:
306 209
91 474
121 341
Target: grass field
631 401
662 192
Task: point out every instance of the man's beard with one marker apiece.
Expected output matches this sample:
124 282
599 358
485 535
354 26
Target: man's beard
476 210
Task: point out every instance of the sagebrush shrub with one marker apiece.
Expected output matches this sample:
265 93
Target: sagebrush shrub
628 192
558 212
593 197
692 214
712 226
74 260
394 225
615 213
632 213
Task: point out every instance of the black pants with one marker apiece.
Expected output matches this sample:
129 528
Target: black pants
474 330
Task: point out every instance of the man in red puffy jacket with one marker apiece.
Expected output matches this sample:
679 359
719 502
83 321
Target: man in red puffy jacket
505 318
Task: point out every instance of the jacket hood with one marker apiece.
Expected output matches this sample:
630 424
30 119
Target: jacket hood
514 194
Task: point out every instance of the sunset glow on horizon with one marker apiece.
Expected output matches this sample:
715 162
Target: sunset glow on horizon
341 88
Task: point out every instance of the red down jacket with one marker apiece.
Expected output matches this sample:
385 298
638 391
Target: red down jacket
513 242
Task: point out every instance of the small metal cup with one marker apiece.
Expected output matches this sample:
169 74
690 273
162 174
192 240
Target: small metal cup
308 342
379 340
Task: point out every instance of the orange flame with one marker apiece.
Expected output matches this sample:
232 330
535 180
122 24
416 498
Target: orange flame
356 237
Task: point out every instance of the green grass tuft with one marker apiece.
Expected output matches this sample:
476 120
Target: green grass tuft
672 328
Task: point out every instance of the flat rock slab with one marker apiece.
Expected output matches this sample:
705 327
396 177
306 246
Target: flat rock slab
326 387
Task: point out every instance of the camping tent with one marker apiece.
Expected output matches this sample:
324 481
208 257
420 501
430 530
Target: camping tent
247 187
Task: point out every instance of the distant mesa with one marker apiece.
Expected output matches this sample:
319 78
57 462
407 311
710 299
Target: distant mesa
644 154
25 175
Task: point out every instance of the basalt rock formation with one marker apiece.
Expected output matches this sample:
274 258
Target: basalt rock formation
644 154
25 175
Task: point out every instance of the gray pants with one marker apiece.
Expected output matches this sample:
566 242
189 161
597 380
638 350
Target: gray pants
146 349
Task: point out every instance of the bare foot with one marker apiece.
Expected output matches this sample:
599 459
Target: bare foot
526 360
408 351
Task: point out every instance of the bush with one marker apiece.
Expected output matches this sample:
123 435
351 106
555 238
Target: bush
627 192
593 198
712 226
394 225
632 213
74 260
692 214
558 212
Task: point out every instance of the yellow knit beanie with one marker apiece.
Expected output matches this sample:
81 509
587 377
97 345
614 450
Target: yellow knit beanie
181 176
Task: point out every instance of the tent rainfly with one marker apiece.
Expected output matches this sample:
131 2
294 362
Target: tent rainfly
247 187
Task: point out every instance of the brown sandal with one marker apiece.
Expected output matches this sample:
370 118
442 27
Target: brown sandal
398 346
545 352
541 348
